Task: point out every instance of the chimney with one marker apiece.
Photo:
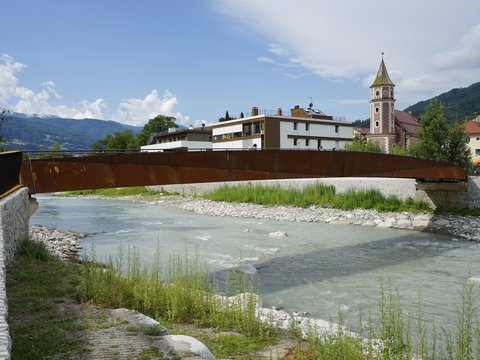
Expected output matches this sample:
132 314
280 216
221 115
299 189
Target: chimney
254 111
279 112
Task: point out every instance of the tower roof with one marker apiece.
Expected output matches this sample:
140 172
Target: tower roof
382 77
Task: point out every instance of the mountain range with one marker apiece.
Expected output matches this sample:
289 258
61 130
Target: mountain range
24 132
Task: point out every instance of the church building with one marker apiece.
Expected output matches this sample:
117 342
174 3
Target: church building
389 127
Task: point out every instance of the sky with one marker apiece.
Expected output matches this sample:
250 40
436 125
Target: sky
129 61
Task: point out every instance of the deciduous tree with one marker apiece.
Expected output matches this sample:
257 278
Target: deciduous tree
158 124
439 140
122 140
361 144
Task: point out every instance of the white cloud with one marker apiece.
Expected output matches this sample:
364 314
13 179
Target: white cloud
139 111
265 59
18 98
428 48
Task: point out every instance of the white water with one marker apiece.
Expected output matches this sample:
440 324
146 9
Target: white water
318 268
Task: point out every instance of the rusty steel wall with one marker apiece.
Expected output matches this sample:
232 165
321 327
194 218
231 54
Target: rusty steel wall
10 165
161 168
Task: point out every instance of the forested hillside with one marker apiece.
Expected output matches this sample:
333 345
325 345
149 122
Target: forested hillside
21 132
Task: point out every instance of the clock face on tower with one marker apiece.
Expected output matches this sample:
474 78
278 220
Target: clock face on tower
385 92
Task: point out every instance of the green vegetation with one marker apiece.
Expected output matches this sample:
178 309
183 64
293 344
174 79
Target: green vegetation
122 140
460 104
465 212
361 144
43 323
317 195
115 192
439 140
126 140
158 124
180 291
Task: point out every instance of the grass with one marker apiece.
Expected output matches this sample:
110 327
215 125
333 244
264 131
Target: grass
42 322
465 212
179 291
115 192
317 195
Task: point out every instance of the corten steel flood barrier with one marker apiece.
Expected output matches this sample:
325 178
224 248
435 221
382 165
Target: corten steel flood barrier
10 165
162 168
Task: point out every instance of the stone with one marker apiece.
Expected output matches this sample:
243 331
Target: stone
278 234
186 345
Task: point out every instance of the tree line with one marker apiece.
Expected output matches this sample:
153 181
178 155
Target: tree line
127 140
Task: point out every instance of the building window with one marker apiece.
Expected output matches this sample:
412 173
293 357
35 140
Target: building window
307 142
477 151
478 138
319 144
307 126
377 123
295 126
377 92
377 109
295 142
336 128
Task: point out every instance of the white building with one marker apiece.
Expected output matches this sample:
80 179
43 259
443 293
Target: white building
180 140
303 129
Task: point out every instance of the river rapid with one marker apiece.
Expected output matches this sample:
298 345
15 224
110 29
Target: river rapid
310 267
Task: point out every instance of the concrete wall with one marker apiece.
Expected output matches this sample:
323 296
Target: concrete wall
14 217
474 192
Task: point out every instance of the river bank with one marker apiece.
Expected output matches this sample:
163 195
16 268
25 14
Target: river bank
465 227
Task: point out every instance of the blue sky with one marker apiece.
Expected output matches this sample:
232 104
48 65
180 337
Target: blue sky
194 59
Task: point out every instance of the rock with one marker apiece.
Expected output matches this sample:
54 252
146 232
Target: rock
474 280
186 345
278 234
441 222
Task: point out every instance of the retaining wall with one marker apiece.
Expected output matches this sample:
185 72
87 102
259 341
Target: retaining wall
14 218
474 192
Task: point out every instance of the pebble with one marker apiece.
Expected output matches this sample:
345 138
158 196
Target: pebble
61 243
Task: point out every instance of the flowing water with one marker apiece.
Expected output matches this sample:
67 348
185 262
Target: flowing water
318 268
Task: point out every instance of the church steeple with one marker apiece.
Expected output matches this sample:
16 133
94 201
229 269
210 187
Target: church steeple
382 112
382 77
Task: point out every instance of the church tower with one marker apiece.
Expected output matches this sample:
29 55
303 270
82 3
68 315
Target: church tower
382 111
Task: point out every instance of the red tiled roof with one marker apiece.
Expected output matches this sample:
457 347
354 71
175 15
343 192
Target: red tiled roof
407 121
472 127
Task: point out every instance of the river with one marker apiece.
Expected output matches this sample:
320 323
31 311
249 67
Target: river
316 268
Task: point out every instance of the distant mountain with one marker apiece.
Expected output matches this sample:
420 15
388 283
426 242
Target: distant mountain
24 132
460 104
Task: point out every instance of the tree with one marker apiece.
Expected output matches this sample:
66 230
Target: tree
122 140
54 150
226 117
457 150
438 140
361 144
160 123
3 113
432 134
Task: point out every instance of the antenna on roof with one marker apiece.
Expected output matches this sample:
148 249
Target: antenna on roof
310 106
